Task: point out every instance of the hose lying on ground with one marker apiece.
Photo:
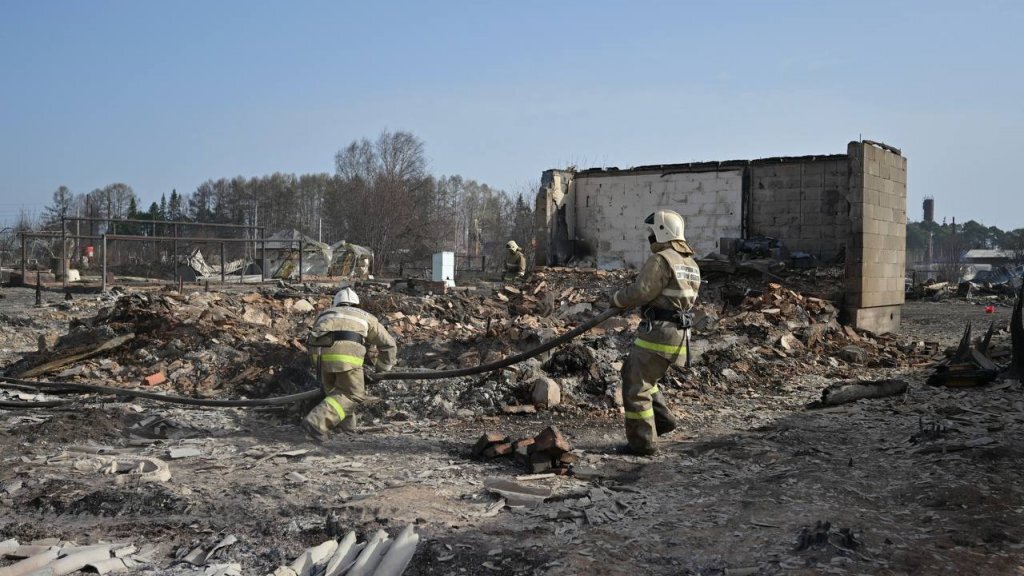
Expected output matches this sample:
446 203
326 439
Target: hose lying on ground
41 404
94 388
503 363
292 398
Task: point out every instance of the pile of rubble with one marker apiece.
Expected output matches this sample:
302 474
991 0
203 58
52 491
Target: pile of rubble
226 344
776 332
197 343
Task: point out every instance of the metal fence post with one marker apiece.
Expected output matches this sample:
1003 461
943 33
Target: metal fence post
300 261
174 243
63 253
24 259
103 281
223 278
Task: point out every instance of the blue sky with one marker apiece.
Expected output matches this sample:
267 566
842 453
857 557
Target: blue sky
167 95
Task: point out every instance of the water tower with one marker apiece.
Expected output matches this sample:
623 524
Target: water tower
929 209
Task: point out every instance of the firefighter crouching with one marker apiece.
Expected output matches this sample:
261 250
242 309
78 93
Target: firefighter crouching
338 341
515 261
665 289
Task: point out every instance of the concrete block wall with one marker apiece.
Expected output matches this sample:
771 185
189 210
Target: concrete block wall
802 203
609 211
875 266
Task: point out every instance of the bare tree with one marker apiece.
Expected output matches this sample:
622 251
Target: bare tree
387 193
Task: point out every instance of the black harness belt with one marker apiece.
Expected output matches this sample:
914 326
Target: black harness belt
347 336
680 319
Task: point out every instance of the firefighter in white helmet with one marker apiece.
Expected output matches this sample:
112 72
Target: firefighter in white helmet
515 261
338 344
665 289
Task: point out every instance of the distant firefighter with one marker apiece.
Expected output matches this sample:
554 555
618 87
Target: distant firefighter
362 267
515 261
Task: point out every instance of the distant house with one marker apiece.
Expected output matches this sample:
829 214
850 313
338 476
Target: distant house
987 256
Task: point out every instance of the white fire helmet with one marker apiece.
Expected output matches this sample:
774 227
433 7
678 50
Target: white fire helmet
665 226
346 297
512 246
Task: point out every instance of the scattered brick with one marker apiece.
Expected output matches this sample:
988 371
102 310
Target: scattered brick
495 450
486 441
551 442
155 379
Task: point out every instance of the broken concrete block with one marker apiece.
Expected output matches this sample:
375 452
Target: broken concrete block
854 354
519 409
546 392
185 452
155 379
254 315
587 473
551 442
302 306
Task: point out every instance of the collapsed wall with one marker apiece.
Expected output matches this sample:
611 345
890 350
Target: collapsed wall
831 207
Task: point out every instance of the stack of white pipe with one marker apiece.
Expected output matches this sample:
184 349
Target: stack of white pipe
378 556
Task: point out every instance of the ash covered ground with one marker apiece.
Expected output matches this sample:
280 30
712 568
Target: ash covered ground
754 482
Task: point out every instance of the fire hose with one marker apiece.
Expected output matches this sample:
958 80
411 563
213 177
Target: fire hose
77 387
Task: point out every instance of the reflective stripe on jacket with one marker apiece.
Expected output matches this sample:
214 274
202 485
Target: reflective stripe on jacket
344 355
515 263
668 280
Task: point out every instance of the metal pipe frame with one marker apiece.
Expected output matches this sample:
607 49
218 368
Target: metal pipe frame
142 221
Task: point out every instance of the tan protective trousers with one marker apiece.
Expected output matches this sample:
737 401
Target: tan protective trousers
642 399
345 391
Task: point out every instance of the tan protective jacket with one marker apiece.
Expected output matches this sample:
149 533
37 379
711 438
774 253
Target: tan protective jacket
669 280
351 330
515 263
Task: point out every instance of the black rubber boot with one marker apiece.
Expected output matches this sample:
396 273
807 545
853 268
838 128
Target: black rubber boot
628 450
313 434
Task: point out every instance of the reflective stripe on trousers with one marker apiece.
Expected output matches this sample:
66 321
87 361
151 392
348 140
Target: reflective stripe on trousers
640 415
337 407
646 413
353 360
655 347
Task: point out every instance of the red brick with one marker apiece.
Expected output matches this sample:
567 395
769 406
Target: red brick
551 442
155 379
522 443
495 450
486 440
